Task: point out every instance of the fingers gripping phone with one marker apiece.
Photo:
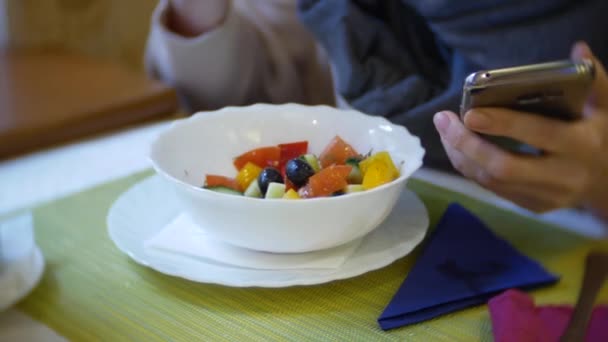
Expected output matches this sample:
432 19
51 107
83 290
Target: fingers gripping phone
557 90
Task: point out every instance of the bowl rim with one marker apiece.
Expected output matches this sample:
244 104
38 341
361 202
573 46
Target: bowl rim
204 115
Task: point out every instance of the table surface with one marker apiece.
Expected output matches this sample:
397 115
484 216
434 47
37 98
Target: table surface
54 173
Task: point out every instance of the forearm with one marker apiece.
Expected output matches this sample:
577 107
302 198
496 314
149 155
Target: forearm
191 18
257 53
205 68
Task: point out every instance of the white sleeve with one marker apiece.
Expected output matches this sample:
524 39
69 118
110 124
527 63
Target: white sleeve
251 57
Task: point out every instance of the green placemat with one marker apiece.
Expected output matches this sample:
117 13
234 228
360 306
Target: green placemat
92 291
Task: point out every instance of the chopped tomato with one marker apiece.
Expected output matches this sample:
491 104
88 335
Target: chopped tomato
262 157
248 174
326 182
292 150
216 180
336 152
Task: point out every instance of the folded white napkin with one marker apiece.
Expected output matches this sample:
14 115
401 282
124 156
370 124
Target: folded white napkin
184 237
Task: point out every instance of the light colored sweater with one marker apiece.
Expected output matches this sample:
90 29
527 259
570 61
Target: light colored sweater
259 53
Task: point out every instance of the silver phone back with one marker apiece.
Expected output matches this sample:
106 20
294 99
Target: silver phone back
555 89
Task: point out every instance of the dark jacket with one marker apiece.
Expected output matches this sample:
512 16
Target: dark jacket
407 59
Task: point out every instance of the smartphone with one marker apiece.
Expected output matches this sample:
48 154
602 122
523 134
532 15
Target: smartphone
557 90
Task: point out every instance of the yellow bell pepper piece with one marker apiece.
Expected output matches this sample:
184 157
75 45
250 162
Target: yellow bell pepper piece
377 173
248 174
382 157
291 194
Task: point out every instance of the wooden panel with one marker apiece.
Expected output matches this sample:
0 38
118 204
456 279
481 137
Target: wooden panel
113 29
49 97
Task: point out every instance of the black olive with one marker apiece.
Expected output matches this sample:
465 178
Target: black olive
298 171
267 176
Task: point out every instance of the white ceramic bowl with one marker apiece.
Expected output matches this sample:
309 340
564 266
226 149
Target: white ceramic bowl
207 142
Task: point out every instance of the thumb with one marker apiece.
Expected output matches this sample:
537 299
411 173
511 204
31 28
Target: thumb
599 91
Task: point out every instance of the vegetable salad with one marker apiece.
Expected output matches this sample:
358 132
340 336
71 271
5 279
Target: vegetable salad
290 171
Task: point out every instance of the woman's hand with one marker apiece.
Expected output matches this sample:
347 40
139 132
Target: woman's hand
194 17
572 172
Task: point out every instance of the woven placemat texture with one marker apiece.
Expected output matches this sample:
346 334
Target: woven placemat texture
92 291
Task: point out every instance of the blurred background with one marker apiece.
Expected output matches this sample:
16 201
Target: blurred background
73 68
112 29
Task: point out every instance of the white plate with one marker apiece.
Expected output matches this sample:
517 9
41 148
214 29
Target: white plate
149 205
20 277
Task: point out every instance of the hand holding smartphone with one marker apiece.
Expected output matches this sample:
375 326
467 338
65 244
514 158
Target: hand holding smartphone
557 90
560 108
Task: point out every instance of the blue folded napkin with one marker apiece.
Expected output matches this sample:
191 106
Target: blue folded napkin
463 264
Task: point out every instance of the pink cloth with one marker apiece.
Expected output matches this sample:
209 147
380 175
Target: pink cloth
515 317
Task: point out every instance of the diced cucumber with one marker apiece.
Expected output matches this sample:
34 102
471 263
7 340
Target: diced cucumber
355 176
312 160
354 188
275 190
224 190
253 190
